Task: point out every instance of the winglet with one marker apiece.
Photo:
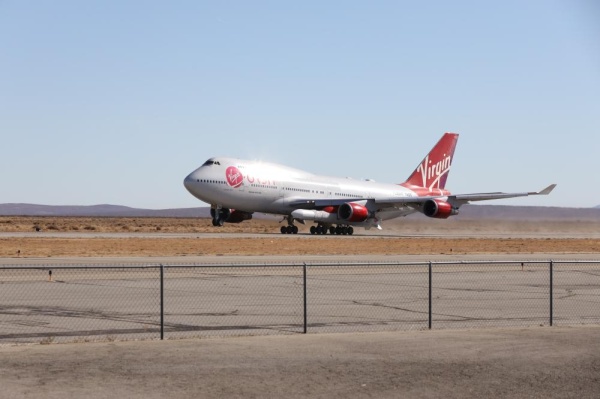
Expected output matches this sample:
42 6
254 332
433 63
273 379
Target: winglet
545 191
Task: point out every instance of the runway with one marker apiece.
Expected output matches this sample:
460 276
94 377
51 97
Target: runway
303 235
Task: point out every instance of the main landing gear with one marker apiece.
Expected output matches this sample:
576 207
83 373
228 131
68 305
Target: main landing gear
290 228
338 230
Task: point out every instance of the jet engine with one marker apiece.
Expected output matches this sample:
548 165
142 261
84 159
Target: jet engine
352 212
238 216
435 208
223 215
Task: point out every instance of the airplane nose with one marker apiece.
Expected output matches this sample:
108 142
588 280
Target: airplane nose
189 181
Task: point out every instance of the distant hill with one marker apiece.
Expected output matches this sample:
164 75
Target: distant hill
529 212
98 211
503 212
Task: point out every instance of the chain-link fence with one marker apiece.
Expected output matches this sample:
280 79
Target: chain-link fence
89 303
79 303
576 293
232 300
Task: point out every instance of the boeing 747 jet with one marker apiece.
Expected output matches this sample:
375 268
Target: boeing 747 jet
237 188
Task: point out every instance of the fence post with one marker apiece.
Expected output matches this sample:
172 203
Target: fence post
551 292
162 302
430 299
305 300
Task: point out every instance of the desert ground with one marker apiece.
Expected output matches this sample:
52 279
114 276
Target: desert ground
177 237
558 362
417 224
544 362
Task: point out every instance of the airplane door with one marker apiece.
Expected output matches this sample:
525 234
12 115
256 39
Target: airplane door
281 196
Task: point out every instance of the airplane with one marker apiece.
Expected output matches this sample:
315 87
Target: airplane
237 188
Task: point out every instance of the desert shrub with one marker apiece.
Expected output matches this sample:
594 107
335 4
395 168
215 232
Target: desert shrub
90 228
47 341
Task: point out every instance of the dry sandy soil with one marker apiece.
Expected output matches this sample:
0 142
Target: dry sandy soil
397 239
557 362
409 225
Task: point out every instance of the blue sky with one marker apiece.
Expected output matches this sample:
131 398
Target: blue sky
117 101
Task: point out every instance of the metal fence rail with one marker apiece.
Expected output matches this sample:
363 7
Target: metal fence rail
89 303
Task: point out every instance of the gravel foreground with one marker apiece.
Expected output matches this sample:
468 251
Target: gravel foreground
541 362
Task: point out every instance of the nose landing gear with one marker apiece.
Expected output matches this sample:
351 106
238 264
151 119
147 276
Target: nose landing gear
219 216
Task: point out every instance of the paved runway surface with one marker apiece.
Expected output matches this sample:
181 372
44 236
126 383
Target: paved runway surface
378 235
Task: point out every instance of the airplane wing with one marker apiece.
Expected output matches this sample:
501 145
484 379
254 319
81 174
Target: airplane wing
465 198
456 200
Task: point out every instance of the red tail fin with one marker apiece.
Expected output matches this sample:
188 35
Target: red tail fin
433 171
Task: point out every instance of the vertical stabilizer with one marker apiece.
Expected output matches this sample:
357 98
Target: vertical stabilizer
433 171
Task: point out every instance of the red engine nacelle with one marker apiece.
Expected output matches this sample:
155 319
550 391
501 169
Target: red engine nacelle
438 209
352 212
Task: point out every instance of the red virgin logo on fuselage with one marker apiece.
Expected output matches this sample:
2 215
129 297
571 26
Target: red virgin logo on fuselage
234 177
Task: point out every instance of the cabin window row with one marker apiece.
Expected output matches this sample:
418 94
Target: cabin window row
297 189
263 186
345 195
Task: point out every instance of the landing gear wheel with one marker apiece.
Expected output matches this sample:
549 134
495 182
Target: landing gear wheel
313 230
219 216
350 230
289 229
331 230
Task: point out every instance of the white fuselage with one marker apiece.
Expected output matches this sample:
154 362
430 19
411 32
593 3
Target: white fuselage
253 186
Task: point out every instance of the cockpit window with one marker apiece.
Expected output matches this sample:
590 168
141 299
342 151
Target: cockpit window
211 162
